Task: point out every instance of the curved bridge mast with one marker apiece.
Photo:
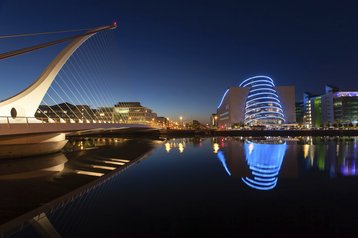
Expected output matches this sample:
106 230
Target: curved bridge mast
23 106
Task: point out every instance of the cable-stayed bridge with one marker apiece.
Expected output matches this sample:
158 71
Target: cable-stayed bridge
69 96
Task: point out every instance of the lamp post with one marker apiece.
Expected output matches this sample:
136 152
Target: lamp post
181 121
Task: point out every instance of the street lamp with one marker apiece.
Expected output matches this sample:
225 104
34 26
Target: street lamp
181 121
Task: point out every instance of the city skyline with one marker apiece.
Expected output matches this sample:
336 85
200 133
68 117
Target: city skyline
179 58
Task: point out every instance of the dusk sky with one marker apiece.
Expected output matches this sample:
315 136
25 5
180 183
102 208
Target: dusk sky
179 57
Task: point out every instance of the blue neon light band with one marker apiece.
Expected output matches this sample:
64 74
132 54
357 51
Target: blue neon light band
257 187
255 77
222 99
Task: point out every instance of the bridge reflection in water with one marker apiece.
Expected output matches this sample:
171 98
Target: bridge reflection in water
35 167
56 184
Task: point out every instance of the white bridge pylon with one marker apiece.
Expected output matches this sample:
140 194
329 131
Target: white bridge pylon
22 107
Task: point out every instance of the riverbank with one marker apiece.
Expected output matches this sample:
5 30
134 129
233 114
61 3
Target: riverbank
184 133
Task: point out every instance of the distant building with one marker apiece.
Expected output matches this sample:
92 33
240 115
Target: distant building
333 107
106 114
67 112
163 121
299 112
257 101
214 120
133 112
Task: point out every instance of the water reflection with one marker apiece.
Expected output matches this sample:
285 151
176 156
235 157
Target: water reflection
90 143
222 159
75 173
256 161
293 170
264 159
332 155
32 167
176 144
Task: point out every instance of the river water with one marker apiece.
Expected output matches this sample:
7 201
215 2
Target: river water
213 187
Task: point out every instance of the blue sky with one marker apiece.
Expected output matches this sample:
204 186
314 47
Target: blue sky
178 57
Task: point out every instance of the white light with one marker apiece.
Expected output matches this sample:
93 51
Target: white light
263 112
121 160
262 89
266 117
258 83
263 107
216 148
265 93
114 162
103 167
267 102
89 173
258 76
255 99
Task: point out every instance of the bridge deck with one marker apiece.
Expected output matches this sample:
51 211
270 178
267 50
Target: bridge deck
34 128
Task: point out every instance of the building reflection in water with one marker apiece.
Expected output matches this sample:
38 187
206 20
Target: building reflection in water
332 155
180 144
264 159
175 144
222 159
256 162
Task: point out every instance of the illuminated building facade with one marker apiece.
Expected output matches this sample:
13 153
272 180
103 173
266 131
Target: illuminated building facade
133 112
333 107
65 111
257 101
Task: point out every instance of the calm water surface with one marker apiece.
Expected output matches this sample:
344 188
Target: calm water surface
222 187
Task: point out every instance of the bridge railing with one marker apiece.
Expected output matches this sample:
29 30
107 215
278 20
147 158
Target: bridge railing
5 120
45 120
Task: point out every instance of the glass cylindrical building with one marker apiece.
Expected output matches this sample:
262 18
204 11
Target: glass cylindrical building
262 105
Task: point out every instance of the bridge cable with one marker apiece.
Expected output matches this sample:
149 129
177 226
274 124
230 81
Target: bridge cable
58 105
105 42
75 114
64 102
99 46
97 75
78 101
51 43
69 63
82 65
50 107
85 82
67 76
44 115
103 108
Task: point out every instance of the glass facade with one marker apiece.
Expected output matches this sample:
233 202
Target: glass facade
332 108
346 109
263 105
317 117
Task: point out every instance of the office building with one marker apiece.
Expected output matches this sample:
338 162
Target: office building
332 107
133 112
257 101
